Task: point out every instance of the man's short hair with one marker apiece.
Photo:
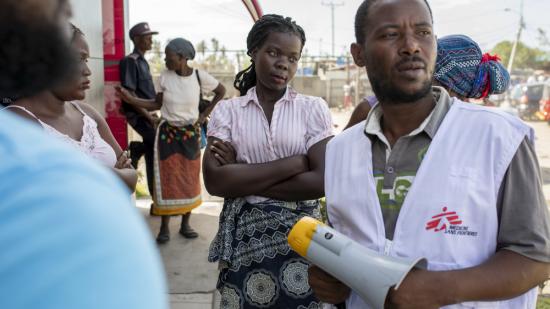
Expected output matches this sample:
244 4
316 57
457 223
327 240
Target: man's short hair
361 19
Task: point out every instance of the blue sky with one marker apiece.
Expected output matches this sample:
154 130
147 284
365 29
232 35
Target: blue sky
486 21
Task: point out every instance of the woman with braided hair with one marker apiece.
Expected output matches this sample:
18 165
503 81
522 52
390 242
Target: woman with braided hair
265 156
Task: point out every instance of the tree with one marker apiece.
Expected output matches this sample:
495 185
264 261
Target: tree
215 45
542 37
155 58
201 47
526 57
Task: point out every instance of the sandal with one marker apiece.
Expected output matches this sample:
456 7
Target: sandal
188 233
163 237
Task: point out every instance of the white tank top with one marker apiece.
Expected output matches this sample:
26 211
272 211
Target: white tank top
91 142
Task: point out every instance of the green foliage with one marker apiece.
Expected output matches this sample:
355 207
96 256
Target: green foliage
156 58
526 57
141 190
201 47
215 58
543 302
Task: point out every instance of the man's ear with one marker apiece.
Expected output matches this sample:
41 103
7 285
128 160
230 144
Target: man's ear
357 52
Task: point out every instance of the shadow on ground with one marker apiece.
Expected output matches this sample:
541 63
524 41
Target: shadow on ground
185 260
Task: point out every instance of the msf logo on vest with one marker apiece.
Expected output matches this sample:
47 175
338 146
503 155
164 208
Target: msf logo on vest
448 222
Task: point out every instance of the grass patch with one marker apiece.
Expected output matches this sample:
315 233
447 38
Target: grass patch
141 190
543 302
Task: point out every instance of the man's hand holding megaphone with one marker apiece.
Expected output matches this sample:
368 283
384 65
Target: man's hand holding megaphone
327 288
343 265
418 290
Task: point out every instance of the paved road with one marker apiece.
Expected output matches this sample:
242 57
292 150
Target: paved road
542 146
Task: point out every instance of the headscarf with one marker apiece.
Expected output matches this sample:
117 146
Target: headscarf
462 68
182 47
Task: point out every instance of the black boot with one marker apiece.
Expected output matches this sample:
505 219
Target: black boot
186 230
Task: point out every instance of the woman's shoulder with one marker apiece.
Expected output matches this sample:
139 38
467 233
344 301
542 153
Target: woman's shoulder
86 108
310 101
89 111
229 104
201 72
164 73
204 75
23 111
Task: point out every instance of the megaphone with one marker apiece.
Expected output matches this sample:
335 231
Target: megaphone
367 272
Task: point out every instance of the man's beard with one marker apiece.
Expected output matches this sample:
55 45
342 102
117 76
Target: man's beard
386 91
35 55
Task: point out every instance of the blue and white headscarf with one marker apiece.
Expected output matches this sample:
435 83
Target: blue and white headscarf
464 69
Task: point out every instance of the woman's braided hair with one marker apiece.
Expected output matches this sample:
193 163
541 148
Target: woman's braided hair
257 36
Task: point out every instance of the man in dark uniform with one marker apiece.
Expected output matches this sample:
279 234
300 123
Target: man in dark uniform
136 77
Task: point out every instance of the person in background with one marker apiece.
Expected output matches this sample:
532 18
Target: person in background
430 176
79 124
462 69
70 236
135 76
177 145
265 156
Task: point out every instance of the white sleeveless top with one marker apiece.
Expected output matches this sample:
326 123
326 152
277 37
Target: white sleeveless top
91 142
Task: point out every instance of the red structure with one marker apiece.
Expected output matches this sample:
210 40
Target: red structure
253 8
114 34
114 50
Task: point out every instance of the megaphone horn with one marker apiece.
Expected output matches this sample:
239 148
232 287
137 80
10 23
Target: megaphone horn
367 272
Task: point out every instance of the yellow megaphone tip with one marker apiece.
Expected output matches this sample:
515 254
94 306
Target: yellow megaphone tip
301 234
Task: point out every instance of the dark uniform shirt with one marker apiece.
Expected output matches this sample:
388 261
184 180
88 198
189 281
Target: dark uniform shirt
135 75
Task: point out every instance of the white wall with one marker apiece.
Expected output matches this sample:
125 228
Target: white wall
88 17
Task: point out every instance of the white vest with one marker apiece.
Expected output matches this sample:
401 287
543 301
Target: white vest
449 215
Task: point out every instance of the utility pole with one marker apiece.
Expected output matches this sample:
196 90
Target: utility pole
332 6
518 37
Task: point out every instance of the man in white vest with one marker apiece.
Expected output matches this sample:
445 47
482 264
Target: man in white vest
426 175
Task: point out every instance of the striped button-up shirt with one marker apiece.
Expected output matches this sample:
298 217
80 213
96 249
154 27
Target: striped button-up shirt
298 122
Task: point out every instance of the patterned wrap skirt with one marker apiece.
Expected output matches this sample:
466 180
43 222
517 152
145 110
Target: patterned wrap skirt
257 267
177 164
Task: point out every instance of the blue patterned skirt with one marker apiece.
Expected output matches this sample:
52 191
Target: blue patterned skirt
258 268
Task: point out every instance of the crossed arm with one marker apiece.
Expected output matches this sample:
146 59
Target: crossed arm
292 179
